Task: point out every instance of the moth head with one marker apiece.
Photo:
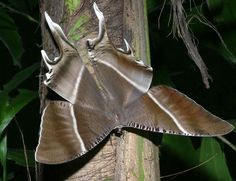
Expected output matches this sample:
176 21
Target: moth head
62 70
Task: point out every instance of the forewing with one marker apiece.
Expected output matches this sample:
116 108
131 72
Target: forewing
65 70
166 110
123 77
119 88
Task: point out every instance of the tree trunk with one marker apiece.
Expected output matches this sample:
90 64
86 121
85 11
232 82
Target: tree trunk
131 156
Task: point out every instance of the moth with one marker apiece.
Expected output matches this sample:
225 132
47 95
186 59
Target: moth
109 91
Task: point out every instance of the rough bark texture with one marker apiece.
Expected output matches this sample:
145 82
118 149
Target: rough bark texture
129 157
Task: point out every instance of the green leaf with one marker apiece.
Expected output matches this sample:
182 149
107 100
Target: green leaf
19 78
5 114
215 5
182 148
3 155
227 142
10 176
216 169
224 11
230 40
151 4
10 37
17 155
10 106
227 53
23 6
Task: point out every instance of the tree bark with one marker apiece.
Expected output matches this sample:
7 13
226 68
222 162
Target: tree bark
131 156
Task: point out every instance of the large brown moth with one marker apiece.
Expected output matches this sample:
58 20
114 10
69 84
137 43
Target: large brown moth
108 92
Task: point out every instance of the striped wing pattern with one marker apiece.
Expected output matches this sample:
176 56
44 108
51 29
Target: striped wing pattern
62 139
110 91
164 109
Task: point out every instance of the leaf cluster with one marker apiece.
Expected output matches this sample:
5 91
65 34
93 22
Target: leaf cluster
16 92
212 24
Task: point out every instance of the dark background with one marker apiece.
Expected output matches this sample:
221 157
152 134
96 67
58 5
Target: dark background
171 65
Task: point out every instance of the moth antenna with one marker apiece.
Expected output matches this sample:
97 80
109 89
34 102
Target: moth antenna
92 42
128 48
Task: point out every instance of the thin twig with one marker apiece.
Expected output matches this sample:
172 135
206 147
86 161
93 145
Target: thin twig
182 172
159 17
201 18
24 149
18 12
227 142
181 26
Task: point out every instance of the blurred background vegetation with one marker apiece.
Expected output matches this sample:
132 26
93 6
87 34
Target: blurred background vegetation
205 158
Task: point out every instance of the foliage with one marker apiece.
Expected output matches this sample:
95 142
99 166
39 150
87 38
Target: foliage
15 91
189 158
10 37
9 106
